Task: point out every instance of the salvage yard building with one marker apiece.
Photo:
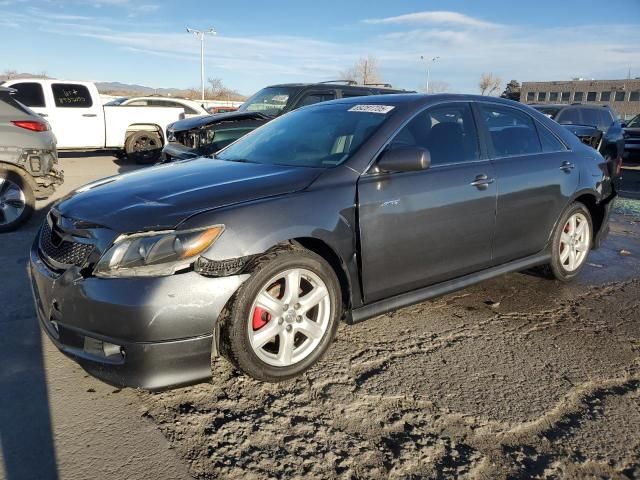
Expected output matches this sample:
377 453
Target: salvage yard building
622 95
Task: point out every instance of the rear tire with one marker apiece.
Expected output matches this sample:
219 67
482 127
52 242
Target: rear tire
17 200
572 239
273 332
143 147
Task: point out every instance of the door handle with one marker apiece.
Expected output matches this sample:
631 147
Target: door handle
43 114
567 166
89 115
482 182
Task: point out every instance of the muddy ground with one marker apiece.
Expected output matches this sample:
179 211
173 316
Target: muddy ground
519 377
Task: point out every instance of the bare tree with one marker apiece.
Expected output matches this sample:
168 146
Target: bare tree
10 74
489 84
216 87
364 71
436 87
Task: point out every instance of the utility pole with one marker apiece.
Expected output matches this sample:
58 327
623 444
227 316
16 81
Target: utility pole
200 34
429 62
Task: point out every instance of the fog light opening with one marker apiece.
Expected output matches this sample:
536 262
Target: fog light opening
102 349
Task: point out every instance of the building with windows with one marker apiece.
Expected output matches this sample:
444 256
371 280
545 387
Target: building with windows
622 95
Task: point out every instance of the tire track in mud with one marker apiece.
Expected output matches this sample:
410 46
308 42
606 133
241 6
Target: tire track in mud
368 410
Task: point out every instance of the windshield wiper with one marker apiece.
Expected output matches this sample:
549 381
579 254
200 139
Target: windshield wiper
238 160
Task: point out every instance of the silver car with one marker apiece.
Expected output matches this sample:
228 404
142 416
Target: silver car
28 159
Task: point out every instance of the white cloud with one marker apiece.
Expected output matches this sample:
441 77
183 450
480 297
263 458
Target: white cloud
432 18
466 50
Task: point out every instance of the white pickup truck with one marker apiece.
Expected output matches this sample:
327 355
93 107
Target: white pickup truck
80 121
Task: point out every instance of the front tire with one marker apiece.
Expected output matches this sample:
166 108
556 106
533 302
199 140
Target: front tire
284 316
17 200
571 242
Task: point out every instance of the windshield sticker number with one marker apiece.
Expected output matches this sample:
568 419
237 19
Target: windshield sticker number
383 109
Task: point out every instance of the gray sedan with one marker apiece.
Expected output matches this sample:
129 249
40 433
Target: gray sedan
340 211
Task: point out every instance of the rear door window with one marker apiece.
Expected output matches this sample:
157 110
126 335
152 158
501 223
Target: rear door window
606 119
512 132
591 117
354 93
29 94
447 131
550 143
316 97
70 95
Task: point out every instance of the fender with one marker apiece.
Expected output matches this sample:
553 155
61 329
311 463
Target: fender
253 228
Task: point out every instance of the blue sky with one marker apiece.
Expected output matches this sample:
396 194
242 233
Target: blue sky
265 42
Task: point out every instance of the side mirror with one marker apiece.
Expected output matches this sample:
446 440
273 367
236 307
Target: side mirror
623 124
405 159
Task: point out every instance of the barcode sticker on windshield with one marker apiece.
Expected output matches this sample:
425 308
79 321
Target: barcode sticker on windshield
372 108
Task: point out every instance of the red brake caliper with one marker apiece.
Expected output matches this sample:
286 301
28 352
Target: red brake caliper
260 318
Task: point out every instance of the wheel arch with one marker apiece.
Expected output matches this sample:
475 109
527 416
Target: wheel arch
324 250
11 167
597 209
144 127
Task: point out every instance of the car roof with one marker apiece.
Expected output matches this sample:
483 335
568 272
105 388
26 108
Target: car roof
337 84
418 99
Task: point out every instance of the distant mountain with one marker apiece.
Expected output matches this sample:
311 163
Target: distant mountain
132 90
107 87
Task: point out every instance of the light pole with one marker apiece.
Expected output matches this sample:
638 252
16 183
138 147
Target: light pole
429 62
200 34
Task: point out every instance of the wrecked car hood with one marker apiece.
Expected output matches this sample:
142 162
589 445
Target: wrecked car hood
161 197
206 120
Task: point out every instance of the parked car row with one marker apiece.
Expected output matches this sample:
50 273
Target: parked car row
195 137
81 122
338 211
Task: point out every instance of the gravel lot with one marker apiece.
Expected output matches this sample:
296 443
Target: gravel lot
518 377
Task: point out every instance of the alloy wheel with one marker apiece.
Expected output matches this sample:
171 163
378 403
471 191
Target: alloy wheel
289 317
574 242
12 201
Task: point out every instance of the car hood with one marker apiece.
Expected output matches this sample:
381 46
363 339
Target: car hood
206 120
161 197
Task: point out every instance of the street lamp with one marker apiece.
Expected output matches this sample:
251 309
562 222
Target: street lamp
200 34
429 62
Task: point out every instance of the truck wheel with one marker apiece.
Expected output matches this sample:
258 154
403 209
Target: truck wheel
284 316
143 147
16 200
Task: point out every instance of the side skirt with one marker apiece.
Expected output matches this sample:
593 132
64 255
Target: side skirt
416 296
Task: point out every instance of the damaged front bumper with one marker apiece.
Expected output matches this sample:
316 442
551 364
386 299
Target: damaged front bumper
46 184
146 332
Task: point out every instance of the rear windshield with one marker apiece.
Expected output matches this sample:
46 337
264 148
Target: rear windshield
8 99
318 136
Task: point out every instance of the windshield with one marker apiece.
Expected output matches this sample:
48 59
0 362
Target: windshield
548 111
634 122
319 136
270 101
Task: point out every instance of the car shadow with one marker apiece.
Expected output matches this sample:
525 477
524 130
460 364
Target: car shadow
26 434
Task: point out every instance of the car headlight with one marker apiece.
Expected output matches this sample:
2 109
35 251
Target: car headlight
155 254
171 134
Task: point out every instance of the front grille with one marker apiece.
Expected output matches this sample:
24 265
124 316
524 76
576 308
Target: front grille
65 253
